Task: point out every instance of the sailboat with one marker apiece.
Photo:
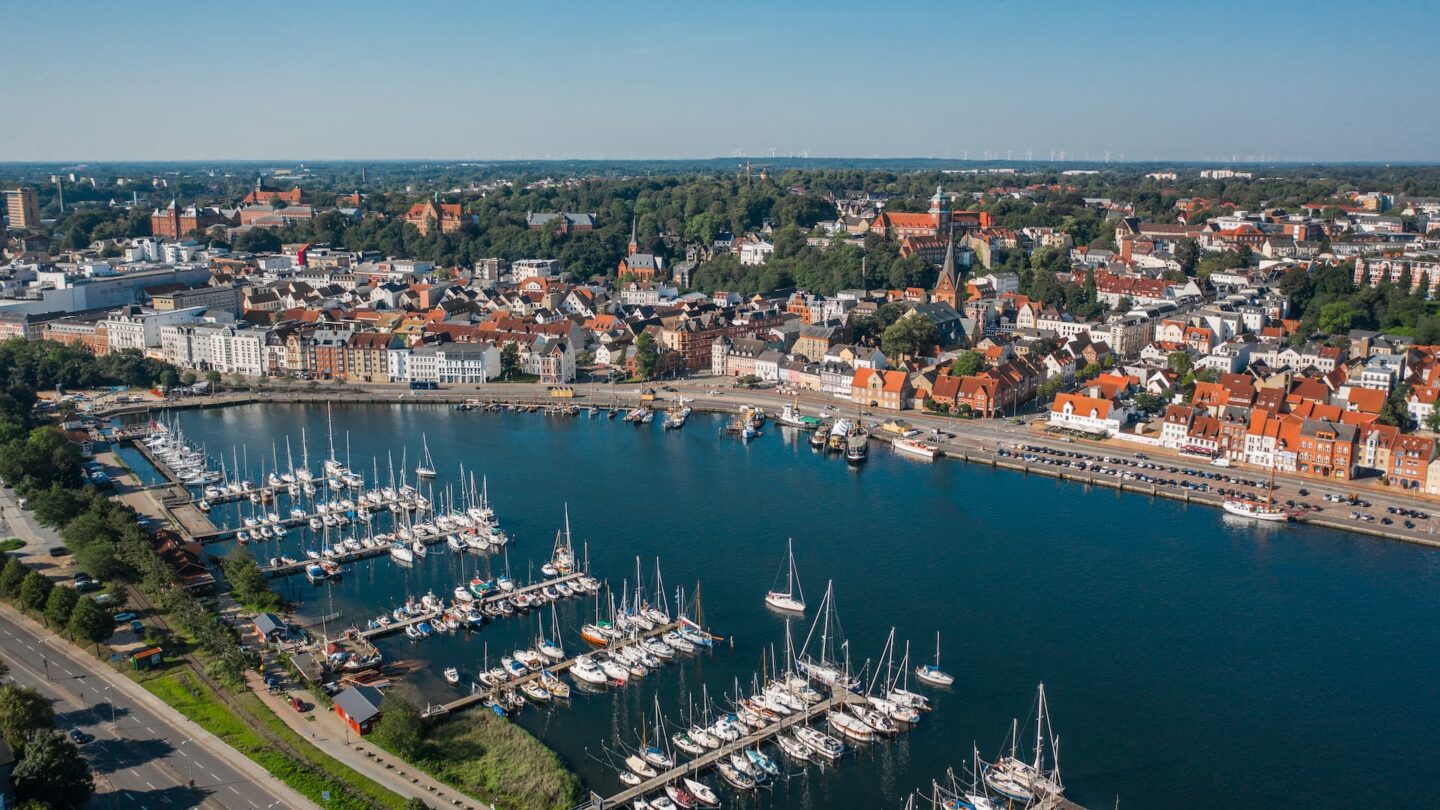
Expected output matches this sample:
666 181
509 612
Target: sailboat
931 673
426 467
792 598
1023 781
823 668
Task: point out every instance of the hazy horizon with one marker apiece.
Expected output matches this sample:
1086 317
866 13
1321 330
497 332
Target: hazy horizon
1226 82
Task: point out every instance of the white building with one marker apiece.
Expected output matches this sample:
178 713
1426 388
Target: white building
1087 414
134 328
757 252
463 363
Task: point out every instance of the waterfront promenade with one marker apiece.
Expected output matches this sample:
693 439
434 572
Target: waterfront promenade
970 440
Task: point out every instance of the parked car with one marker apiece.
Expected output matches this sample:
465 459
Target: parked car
127 616
79 737
58 551
137 627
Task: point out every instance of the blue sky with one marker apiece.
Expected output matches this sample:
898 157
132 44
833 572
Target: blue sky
305 79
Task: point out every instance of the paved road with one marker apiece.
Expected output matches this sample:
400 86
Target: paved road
141 757
144 754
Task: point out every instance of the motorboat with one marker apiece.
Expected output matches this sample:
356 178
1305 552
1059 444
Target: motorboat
914 447
850 726
452 675
793 747
820 742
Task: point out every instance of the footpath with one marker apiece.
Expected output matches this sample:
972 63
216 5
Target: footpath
327 732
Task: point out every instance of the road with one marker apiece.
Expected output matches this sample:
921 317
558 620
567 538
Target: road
142 757
144 754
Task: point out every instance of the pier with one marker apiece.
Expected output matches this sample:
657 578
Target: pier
285 569
395 627
693 767
479 694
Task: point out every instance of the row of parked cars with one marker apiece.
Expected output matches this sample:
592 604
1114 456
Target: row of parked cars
1129 469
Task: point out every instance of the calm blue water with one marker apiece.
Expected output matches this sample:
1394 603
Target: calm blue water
1188 660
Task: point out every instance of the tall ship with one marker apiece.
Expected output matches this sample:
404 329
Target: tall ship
1255 510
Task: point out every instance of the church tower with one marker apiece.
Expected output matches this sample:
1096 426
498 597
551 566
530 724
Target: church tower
634 245
947 286
940 211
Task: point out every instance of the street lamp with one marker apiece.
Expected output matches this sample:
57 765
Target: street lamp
111 701
45 660
189 761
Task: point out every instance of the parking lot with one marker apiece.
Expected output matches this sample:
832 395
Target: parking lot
1221 482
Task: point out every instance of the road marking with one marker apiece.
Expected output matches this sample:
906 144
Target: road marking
147 784
233 790
134 774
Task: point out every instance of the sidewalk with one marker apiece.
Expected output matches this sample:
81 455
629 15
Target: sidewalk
138 694
327 733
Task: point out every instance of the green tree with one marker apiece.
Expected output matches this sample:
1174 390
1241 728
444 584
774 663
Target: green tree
247 582
213 377
1432 421
509 361
35 590
23 711
1180 363
59 605
967 364
258 240
647 355
1336 317
89 622
1396 412
401 728
1187 253
53 771
12 577
909 336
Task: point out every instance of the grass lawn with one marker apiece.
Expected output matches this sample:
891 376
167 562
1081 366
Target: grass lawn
496 761
310 775
12 544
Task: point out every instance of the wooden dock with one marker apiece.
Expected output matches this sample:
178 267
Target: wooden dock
479 693
395 627
693 767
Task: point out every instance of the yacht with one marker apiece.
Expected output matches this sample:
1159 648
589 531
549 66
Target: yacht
914 447
791 599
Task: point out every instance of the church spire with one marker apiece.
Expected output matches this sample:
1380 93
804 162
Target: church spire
634 244
947 286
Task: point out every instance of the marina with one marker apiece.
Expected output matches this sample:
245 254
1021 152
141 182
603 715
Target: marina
1231 597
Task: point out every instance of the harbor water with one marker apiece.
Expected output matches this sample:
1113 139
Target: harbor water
1188 659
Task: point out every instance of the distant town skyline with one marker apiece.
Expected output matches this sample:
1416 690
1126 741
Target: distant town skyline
1130 81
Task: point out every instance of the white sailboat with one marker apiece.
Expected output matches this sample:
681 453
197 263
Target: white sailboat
824 668
931 673
426 467
1023 781
791 599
